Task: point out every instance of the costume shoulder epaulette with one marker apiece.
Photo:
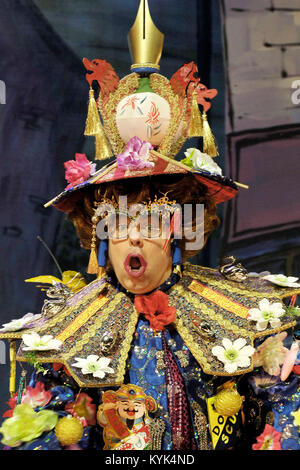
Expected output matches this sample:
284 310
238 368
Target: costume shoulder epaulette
97 320
211 308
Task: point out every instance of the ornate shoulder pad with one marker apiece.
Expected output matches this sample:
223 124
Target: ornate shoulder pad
212 314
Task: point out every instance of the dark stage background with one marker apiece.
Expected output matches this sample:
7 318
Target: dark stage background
237 48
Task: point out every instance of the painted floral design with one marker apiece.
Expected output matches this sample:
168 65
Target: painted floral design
99 367
130 102
78 170
271 354
234 354
268 440
35 342
283 281
135 155
19 324
153 115
267 313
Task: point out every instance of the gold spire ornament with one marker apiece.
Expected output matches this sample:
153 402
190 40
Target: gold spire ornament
196 125
145 41
209 145
94 128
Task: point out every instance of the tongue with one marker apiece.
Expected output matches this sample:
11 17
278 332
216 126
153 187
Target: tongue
135 263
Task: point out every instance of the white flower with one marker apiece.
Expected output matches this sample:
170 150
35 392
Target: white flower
282 280
20 323
234 354
94 365
265 314
35 342
202 161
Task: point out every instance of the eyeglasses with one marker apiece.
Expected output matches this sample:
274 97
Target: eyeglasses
149 224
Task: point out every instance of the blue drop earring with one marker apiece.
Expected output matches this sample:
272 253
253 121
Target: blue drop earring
102 253
176 253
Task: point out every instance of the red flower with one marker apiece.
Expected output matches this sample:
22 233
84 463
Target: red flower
268 440
83 409
34 396
12 402
156 309
58 366
78 170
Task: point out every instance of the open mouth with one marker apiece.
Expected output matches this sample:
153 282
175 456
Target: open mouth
135 265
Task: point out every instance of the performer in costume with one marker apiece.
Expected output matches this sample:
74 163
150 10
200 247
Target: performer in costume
204 352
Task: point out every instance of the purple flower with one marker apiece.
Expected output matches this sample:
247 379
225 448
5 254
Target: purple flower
135 155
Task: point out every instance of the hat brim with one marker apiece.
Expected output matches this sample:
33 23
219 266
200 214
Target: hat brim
220 188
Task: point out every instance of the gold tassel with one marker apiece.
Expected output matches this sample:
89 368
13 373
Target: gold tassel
93 127
92 124
196 126
93 261
12 358
101 272
103 150
209 145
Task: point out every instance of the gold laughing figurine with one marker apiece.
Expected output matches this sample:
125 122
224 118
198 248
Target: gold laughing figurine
154 353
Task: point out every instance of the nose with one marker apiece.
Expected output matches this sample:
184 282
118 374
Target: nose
134 235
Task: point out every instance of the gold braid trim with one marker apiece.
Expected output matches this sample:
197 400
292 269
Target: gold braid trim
123 351
82 318
211 313
126 345
284 292
102 317
108 110
162 87
181 134
59 317
206 274
226 285
219 299
189 341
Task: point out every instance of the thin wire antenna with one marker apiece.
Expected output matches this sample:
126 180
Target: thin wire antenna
51 254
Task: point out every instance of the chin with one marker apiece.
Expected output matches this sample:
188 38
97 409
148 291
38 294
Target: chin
137 286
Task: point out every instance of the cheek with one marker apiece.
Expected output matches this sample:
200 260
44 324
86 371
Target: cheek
115 253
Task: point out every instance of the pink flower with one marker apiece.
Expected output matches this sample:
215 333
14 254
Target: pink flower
135 155
268 440
36 396
289 361
83 409
78 170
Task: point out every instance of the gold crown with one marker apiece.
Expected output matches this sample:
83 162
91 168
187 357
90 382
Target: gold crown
145 41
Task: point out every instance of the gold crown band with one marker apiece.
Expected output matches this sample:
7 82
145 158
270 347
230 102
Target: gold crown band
145 65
